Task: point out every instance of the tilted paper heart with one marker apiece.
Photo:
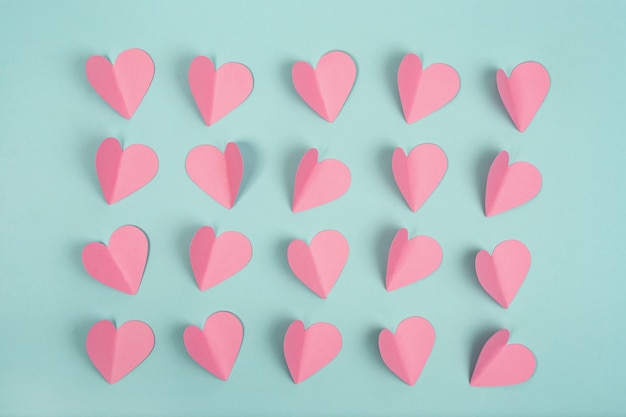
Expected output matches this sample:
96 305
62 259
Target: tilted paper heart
500 364
318 183
218 92
523 92
119 265
319 264
418 174
503 273
216 258
327 87
116 352
424 91
217 174
405 353
124 84
216 347
309 350
509 186
411 260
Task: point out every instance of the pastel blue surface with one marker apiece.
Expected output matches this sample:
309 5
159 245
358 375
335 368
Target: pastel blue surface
570 311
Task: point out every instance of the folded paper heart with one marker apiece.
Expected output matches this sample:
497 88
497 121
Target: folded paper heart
410 260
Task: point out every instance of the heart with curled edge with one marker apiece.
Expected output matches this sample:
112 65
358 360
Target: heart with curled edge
123 84
218 92
411 260
116 352
214 259
121 264
217 174
319 264
307 351
217 345
509 186
501 364
420 173
327 87
503 273
406 352
422 92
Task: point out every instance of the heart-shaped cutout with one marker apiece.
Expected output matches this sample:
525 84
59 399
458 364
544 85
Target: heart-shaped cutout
411 260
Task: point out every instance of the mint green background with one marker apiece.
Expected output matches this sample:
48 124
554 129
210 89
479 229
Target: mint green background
570 311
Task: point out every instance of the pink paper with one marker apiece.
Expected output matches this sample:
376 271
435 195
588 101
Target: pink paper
124 84
216 258
500 364
217 93
503 273
318 183
418 174
509 186
424 91
217 174
116 352
327 87
405 353
121 264
309 350
411 260
319 264
523 92
216 347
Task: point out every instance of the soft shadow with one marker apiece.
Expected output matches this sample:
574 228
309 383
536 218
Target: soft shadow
182 80
250 156
281 255
383 159
391 77
87 160
277 336
371 344
479 341
469 267
491 89
483 163
184 241
383 242
177 340
285 76
291 167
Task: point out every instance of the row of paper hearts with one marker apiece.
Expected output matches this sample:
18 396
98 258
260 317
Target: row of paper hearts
417 175
324 88
116 352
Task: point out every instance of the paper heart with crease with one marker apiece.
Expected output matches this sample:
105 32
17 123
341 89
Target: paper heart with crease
217 174
218 92
424 91
119 265
405 353
500 364
216 346
116 352
509 186
122 172
503 273
327 87
410 260
124 84
418 174
523 92
309 350
216 258
319 264
318 183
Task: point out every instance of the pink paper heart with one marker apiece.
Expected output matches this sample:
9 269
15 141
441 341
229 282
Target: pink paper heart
124 84
216 347
319 264
523 92
406 352
121 264
218 92
424 91
411 260
217 174
309 350
503 273
509 186
500 364
216 258
418 174
122 172
116 352
327 87
318 183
